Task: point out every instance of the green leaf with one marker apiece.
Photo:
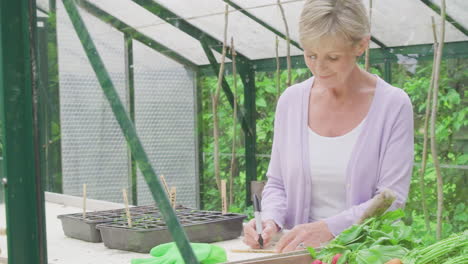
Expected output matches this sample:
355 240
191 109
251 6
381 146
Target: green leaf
312 252
260 102
350 235
380 254
393 215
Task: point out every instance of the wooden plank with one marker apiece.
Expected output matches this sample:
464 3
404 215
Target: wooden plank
296 257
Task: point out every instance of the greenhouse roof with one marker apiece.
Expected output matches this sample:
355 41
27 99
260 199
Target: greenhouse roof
175 27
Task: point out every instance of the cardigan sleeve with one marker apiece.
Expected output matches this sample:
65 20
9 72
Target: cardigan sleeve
274 195
395 170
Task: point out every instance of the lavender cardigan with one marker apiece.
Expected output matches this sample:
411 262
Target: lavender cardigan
382 158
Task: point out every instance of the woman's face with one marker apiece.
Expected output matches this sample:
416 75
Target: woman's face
331 60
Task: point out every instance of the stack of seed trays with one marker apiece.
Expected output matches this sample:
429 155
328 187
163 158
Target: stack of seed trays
149 229
75 226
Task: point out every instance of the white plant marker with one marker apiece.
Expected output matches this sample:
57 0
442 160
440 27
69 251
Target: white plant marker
166 188
129 217
223 197
172 197
84 201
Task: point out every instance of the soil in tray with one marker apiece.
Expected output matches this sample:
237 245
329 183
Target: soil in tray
149 230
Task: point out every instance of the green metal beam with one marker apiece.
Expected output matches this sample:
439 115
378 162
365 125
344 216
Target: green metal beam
126 29
421 52
41 113
129 131
200 129
24 195
247 73
378 42
130 86
42 10
42 101
450 19
261 22
180 23
37 131
457 49
54 144
388 71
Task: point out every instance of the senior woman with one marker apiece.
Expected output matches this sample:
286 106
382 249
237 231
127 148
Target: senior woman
340 137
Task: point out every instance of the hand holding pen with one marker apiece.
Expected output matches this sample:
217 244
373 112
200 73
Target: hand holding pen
253 237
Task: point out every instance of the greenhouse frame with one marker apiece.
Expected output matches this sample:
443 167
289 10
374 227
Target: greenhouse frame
54 55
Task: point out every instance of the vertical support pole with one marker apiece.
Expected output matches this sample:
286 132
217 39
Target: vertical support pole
128 129
387 67
53 146
42 101
130 86
24 195
247 73
200 129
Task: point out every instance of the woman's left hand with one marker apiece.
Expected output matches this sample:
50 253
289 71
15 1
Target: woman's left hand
304 235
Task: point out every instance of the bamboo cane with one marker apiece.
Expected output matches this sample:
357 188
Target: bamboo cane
173 197
288 43
278 76
440 193
422 171
166 187
234 124
367 65
215 100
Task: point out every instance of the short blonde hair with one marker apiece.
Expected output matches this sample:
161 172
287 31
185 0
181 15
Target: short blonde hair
345 18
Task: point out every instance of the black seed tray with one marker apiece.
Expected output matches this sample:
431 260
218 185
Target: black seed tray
150 230
75 226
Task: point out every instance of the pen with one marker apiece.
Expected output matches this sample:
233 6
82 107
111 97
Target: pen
258 219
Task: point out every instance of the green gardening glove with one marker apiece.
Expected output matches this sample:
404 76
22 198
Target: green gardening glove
169 254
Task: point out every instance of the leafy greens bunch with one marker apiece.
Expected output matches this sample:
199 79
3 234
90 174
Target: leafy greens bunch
375 241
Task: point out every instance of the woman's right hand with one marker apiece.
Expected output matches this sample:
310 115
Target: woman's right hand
251 237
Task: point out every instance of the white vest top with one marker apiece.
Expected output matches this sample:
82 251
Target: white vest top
329 157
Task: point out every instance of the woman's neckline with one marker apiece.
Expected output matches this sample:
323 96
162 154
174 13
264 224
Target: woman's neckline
366 117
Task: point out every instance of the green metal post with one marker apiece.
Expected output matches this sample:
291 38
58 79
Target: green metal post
200 129
129 76
24 196
42 101
54 145
129 131
247 74
387 67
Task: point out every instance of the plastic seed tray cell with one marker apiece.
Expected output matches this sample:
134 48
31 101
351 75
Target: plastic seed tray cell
75 226
149 230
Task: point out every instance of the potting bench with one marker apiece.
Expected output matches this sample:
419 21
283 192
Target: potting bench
65 250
